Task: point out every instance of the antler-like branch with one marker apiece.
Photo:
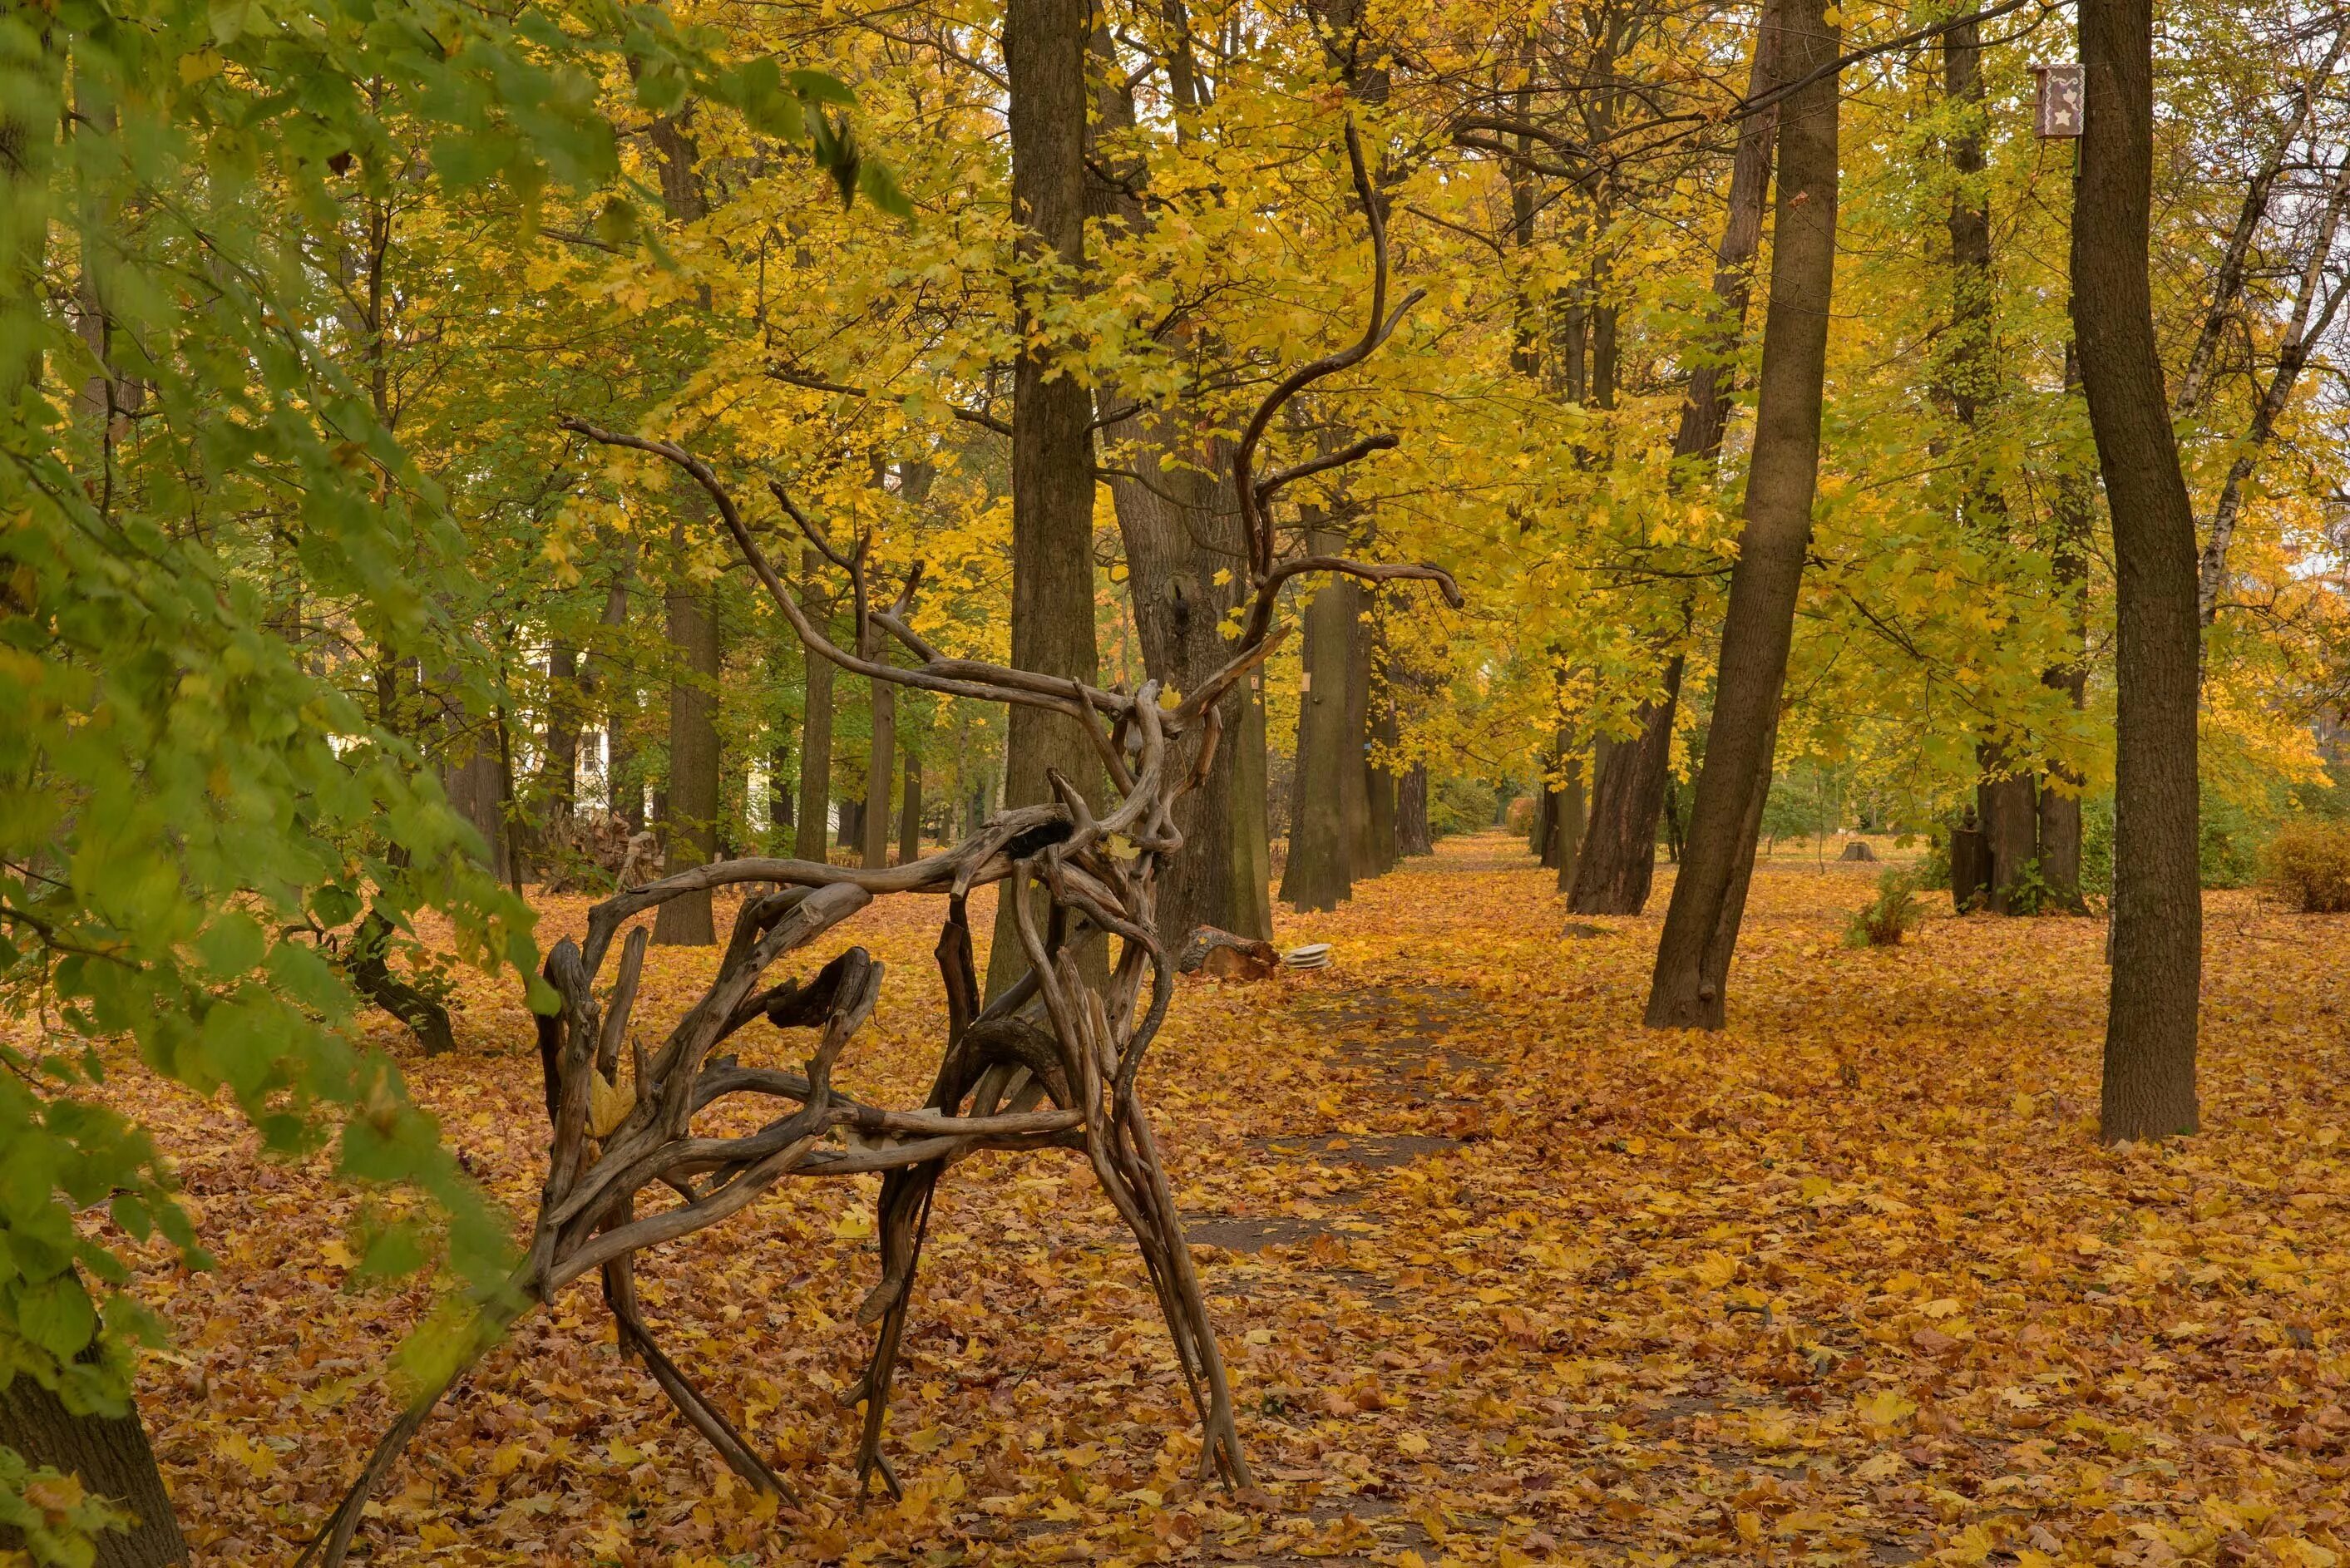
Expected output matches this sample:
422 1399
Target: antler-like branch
1256 518
1001 683
1258 636
952 677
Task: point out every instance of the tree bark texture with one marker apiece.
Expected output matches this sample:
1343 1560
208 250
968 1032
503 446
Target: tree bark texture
779 748
910 810
1045 44
1352 762
1380 785
559 766
881 767
1617 863
475 785
2007 804
2158 908
688 800
112 1455
1708 895
1413 835
1319 874
1570 826
809 834
690 828
1251 914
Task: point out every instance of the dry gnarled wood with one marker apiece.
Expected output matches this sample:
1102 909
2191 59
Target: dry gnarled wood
1052 1064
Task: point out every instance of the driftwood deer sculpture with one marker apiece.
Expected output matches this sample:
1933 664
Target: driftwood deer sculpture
1054 1062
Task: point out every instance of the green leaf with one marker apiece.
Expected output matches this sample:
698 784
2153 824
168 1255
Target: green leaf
819 87
231 19
880 188
395 1251
335 905
232 944
660 87
56 1314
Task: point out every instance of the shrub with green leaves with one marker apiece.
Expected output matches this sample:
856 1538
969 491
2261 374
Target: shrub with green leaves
1884 920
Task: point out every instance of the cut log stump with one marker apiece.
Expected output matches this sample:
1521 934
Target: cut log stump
1227 956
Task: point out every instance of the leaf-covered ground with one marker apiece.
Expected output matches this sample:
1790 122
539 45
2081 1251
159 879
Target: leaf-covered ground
1503 1277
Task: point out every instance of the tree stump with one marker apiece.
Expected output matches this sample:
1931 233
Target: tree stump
1225 956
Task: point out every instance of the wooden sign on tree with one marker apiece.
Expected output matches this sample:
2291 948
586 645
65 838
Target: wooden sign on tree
2059 105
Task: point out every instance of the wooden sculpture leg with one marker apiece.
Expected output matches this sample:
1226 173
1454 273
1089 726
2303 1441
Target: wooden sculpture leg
333 1539
621 1295
1148 1204
904 1219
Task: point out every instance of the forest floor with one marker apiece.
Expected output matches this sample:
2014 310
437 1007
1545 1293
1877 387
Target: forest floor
1503 1277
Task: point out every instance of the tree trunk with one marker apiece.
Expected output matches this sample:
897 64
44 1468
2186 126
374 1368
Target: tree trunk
2157 907
1412 832
2060 828
1380 785
1320 871
1180 532
689 826
910 812
594 697
1572 824
474 783
623 787
2006 799
1969 868
689 801
1970 371
815 725
2007 803
1353 766
1251 913
1619 860
1179 524
558 767
1045 44
1716 974
1701 923
2060 807
779 743
111 1456
880 765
